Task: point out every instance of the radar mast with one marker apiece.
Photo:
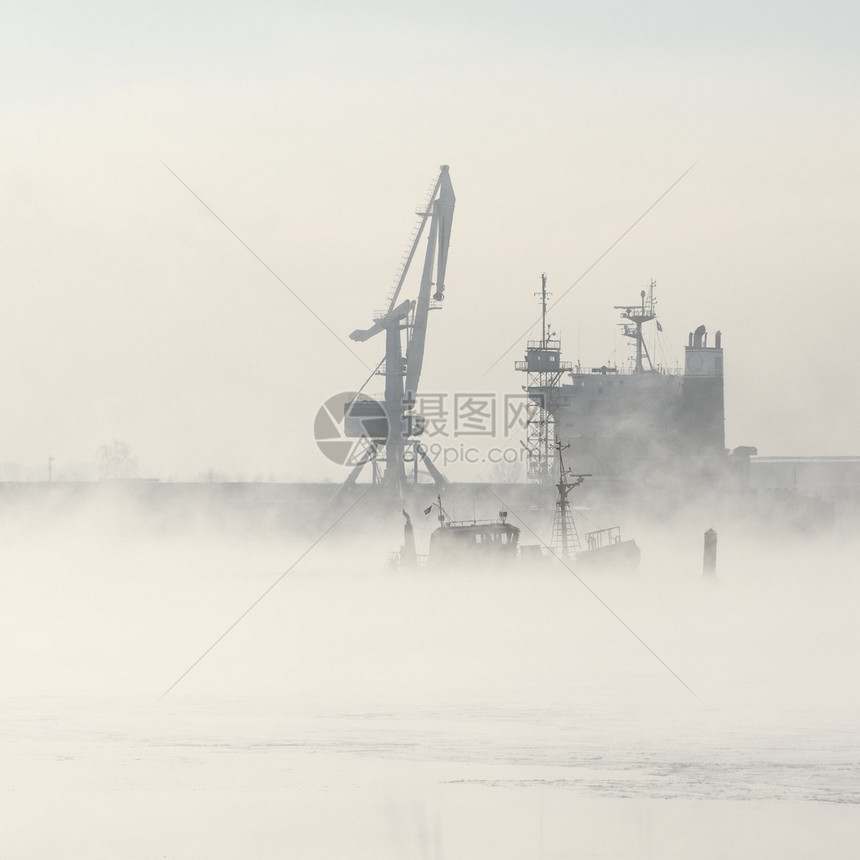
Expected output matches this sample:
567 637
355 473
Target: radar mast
635 317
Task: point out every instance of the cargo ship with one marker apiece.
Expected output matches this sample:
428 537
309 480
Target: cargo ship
638 420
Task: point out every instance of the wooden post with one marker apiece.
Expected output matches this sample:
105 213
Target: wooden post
709 563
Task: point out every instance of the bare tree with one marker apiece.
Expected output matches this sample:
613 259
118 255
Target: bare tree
116 460
211 476
506 472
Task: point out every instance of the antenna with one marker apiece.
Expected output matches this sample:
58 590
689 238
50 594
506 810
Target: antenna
544 295
441 516
579 348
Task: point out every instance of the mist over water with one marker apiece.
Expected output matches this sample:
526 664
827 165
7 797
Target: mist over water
367 712
200 203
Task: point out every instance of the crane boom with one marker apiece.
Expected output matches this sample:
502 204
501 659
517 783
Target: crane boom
445 216
437 252
407 262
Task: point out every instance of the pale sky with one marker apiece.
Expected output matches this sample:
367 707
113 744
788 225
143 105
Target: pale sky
314 129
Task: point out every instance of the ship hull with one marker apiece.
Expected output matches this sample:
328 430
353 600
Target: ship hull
623 555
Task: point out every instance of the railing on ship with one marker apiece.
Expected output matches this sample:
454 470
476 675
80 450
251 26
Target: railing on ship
625 370
603 537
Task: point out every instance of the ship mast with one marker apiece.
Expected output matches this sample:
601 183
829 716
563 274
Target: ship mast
543 327
638 315
544 370
565 537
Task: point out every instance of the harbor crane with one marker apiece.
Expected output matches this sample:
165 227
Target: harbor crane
401 367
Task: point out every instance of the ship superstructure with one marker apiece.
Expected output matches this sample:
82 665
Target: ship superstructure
623 421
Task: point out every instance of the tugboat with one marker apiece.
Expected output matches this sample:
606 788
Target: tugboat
482 542
497 542
478 541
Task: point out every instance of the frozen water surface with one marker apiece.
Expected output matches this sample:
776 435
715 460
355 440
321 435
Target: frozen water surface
362 713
